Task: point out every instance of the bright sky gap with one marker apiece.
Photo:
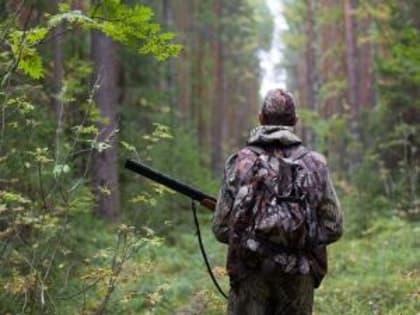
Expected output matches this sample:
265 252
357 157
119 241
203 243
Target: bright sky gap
272 75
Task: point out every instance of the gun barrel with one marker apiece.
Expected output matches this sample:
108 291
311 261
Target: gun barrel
146 171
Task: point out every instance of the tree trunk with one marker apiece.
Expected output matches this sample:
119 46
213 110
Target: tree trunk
352 77
310 88
77 5
58 67
57 81
367 81
181 18
201 96
167 81
351 58
302 86
105 172
198 100
332 66
217 112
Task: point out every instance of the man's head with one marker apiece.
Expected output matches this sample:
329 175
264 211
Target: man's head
278 108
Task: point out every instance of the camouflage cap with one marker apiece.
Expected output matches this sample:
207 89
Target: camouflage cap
278 108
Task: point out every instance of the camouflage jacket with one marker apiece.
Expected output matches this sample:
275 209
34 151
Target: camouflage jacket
323 200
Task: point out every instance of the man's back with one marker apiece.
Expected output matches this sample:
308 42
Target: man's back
265 277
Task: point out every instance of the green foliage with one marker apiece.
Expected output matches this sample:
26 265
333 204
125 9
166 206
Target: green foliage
173 152
327 131
55 258
133 24
183 285
330 14
294 38
393 126
129 25
265 25
22 46
333 88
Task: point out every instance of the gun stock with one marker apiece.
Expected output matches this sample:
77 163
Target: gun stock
209 203
204 199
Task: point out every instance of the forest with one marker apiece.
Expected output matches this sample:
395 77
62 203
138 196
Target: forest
85 85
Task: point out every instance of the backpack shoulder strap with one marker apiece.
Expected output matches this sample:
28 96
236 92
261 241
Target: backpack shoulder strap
299 153
296 155
256 149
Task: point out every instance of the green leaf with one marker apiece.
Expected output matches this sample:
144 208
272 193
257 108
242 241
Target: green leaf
31 65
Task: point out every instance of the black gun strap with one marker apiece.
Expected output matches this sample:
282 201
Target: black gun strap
203 251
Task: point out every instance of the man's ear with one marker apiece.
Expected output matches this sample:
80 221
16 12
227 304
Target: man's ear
296 120
260 118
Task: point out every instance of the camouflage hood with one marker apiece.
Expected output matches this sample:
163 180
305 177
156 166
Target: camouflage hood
273 134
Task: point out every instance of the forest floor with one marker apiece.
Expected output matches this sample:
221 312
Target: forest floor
378 273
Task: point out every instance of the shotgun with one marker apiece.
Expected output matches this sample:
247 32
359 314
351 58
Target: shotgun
204 199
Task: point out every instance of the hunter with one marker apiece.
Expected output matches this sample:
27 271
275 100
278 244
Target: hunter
277 226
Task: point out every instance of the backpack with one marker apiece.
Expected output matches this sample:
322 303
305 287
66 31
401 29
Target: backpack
271 212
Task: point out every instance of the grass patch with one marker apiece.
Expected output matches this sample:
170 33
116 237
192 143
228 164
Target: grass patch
378 273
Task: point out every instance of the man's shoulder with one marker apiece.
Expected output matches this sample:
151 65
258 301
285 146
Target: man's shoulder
315 161
242 153
317 157
305 154
239 162
248 154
